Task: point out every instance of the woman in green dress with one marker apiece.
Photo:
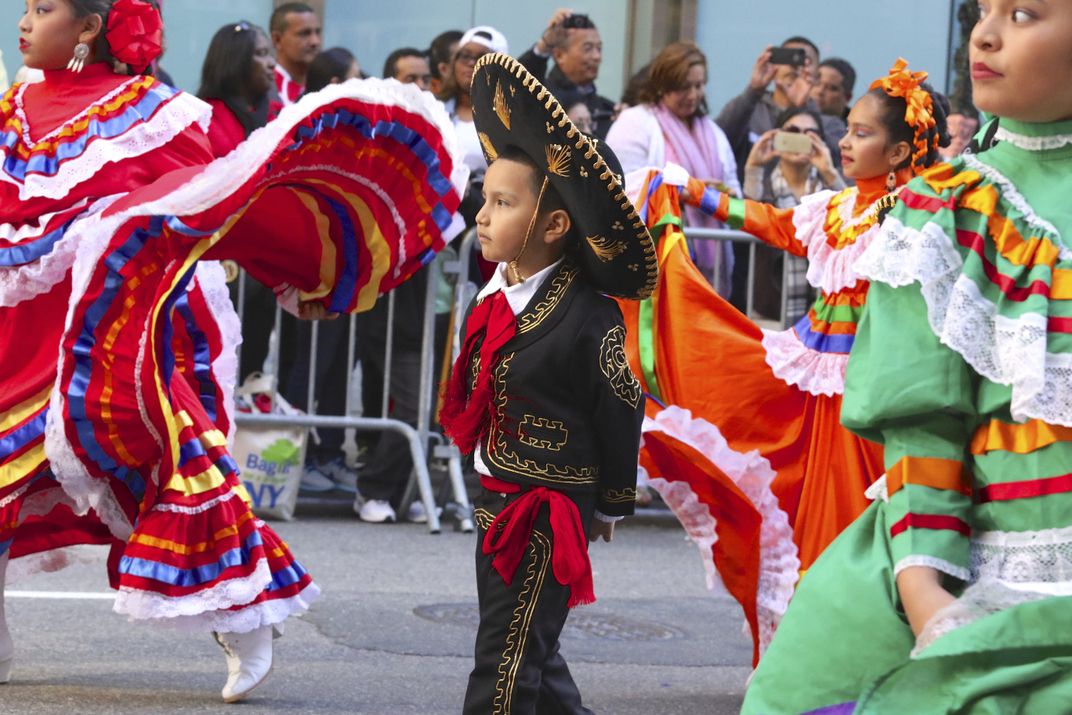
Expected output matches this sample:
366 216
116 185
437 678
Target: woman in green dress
953 592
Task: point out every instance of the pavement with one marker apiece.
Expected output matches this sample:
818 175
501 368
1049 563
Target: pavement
391 634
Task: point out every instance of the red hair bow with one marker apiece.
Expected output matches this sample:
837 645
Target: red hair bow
135 33
919 113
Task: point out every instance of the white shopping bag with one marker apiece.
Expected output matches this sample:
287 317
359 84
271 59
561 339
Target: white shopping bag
269 459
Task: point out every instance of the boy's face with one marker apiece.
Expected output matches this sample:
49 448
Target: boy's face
503 221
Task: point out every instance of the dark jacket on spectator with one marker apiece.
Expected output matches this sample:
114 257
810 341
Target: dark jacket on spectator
751 113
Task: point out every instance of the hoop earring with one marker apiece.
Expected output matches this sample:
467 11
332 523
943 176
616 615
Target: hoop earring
891 181
78 61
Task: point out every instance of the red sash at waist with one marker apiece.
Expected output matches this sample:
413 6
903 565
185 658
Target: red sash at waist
569 554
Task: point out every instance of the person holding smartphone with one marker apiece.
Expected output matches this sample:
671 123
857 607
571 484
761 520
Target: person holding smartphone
784 166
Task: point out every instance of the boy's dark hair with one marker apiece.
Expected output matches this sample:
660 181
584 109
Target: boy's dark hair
439 50
801 40
893 119
278 21
848 74
788 114
552 200
328 65
226 71
390 65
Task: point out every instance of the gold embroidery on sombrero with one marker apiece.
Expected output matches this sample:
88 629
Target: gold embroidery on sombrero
500 106
489 148
604 248
558 159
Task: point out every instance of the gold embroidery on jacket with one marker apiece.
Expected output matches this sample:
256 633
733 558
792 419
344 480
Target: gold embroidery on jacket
619 496
615 367
543 433
499 454
556 289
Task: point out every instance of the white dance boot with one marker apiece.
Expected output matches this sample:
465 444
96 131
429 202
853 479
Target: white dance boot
7 648
249 660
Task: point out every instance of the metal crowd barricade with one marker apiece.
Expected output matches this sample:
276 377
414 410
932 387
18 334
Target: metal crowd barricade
418 437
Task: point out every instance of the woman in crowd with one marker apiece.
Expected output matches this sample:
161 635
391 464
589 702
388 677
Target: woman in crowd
671 125
779 393
113 418
783 179
331 66
952 592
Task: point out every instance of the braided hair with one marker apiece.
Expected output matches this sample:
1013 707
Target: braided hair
933 137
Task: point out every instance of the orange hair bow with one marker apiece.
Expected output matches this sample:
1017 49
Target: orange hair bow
919 113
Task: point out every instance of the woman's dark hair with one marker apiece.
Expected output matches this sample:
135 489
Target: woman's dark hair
439 51
84 8
328 65
226 72
788 114
552 200
893 119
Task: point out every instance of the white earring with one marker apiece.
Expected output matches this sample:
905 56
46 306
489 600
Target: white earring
78 61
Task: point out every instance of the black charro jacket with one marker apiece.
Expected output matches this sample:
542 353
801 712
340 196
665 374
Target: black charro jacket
568 409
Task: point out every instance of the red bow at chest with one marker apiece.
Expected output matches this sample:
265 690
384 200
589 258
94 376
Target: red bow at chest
465 416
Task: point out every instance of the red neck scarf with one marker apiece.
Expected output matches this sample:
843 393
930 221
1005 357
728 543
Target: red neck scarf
466 417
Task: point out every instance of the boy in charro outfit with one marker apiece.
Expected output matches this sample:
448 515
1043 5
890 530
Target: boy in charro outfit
542 391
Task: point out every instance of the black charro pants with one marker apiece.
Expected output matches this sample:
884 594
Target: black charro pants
518 667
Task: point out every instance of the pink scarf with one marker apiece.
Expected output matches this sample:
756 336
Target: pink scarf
695 147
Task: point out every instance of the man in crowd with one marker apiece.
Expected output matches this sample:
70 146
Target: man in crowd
755 111
573 42
296 35
833 91
409 66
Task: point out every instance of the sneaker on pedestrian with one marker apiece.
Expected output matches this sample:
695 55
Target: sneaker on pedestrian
377 511
342 477
315 480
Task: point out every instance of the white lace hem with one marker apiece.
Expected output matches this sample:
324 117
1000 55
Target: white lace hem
829 268
1014 197
1004 350
169 121
779 565
795 363
1039 561
20 283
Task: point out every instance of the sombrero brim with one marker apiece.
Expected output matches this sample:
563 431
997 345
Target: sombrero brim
512 108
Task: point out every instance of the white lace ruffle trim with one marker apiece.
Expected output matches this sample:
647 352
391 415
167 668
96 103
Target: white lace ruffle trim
30 280
211 610
1027 143
796 364
227 174
213 282
1007 351
778 562
829 268
170 120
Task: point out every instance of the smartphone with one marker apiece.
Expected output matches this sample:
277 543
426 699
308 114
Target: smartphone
792 143
792 56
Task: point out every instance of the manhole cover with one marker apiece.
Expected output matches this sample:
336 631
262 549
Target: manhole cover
582 624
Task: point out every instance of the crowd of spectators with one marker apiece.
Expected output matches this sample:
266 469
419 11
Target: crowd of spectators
250 74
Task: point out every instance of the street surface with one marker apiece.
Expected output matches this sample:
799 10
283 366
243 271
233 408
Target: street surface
392 633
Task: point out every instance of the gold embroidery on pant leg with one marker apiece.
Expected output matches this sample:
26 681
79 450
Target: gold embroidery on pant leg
518 631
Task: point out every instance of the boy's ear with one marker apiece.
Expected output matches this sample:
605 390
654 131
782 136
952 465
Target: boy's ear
558 225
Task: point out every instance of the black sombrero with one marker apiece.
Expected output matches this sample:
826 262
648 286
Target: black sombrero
512 108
